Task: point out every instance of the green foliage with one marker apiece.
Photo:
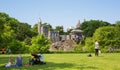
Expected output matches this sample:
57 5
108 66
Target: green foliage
49 26
23 31
2 20
7 36
12 29
85 46
80 47
89 27
68 31
89 44
60 29
27 41
17 47
35 30
40 44
3 17
108 37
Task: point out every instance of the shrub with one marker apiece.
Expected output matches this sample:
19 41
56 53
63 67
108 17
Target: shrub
17 47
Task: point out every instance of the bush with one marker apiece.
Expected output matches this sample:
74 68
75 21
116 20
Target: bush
89 44
40 44
17 47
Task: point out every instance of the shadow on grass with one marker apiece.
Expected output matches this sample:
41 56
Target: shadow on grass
52 66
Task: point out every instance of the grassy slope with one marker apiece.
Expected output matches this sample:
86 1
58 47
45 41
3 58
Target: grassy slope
106 61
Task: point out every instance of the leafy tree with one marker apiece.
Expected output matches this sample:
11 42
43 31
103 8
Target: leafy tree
1 28
3 17
17 46
35 30
89 44
69 30
117 22
23 31
89 27
12 29
108 37
47 24
27 41
60 29
40 44
7 35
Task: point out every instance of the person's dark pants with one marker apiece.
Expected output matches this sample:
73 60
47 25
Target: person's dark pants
96 52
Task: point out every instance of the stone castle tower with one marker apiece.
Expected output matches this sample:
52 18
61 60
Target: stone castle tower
44 29
39 26
78 24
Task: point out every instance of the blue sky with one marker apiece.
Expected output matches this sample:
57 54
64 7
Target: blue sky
61 12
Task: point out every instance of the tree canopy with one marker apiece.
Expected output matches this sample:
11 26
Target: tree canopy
40 44
89 27
108 36
11 29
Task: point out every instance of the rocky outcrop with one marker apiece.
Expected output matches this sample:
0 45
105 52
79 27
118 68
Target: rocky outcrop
66 45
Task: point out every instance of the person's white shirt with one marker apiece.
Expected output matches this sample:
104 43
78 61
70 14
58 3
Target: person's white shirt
96 45
8 65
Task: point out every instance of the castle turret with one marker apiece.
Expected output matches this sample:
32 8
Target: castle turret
39 26
78 24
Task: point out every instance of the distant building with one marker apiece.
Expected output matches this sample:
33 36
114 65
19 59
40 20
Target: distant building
77 35
78 24
39 26
54 36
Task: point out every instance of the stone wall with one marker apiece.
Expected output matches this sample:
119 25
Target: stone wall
54 36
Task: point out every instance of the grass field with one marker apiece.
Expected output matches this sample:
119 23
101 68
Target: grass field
106 61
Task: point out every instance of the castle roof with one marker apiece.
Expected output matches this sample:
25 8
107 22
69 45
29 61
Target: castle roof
76 31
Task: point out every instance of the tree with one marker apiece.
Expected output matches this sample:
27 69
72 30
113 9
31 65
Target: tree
3 17
1 28
6 32
40 44
117 22
60 29
35 30
23 31
11 29
17 47
89 27
108 37
49 26
89 44
7 35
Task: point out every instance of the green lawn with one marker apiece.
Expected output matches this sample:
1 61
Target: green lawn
106 61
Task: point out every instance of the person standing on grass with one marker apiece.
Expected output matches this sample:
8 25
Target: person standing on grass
96 48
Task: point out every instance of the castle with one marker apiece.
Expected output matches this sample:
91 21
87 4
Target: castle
61 41
52 35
